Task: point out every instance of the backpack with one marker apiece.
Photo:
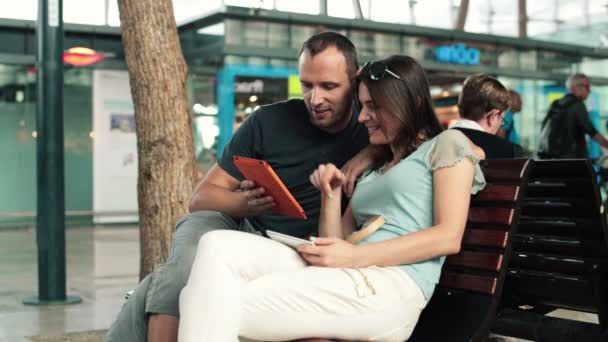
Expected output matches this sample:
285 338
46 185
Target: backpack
555 140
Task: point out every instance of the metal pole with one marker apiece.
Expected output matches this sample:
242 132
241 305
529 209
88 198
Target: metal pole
522 19
357 7
323 7
106 12
463 10
50 230
412 4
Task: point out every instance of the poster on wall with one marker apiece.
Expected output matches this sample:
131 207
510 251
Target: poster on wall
114 149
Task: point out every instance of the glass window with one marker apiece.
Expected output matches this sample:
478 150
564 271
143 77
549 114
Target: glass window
233 32
255 33
205 124
594 67
278 35
364 41
300 33
556 62
18 136
17 140
386 44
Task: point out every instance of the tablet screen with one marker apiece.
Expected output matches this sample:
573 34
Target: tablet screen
263 175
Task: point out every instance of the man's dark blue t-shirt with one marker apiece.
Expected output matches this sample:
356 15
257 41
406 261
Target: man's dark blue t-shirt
282 135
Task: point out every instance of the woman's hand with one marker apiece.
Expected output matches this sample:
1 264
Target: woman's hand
332 252
328 179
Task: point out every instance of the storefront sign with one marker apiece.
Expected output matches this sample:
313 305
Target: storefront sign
253 87
458 54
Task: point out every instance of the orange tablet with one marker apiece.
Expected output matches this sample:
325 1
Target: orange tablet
263 175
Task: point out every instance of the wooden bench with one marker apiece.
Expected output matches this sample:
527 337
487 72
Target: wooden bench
464 304
560 257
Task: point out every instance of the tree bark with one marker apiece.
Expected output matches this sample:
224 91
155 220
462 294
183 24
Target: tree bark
158 76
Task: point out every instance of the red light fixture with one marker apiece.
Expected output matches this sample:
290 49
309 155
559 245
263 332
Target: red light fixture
81 56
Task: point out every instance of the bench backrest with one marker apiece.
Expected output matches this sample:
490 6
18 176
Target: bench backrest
464 303
560 251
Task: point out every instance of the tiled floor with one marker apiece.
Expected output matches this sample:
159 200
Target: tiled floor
102 263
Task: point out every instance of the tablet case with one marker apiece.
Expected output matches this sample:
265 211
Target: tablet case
263 175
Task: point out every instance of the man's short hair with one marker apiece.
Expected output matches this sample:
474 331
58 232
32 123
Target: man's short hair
321 41
480 94
576 80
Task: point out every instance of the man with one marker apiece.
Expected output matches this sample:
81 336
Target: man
294 137
508 130
567 122
482 105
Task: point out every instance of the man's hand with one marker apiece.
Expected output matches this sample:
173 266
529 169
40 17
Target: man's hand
327 178
332 252
356 166
254 200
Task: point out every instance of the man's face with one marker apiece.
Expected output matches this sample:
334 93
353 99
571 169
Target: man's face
327 89
582 90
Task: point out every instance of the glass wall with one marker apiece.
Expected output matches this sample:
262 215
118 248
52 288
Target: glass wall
202 89
18 140
18 143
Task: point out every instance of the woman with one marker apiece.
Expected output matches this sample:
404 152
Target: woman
258 288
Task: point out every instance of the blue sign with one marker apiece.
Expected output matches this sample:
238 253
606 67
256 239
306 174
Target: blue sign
458 54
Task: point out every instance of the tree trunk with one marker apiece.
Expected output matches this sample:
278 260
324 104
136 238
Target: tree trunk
158 75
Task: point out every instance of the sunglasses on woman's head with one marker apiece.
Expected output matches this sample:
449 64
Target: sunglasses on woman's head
377 71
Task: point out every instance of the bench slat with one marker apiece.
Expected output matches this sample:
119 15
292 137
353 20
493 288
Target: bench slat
574 168
486 238
491 215
565 291
502 193
470 282
478 260
504 170
565 207
570 227
577 188
573 265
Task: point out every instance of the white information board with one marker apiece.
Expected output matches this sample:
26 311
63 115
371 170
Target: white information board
114 149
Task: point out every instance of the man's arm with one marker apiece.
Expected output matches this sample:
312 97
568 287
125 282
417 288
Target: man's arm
218 192
582 116
600 140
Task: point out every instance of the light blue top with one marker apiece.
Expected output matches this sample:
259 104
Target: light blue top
404 197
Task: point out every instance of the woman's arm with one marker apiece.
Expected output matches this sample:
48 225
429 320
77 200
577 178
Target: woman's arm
452 193
329 180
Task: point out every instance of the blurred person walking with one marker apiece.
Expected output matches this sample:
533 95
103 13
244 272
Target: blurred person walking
508 130
567 122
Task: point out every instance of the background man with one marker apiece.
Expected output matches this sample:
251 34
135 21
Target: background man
567 122
482 105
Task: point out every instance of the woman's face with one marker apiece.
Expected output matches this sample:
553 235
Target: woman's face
381 132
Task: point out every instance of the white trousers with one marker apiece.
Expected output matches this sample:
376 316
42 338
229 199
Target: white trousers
246 285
